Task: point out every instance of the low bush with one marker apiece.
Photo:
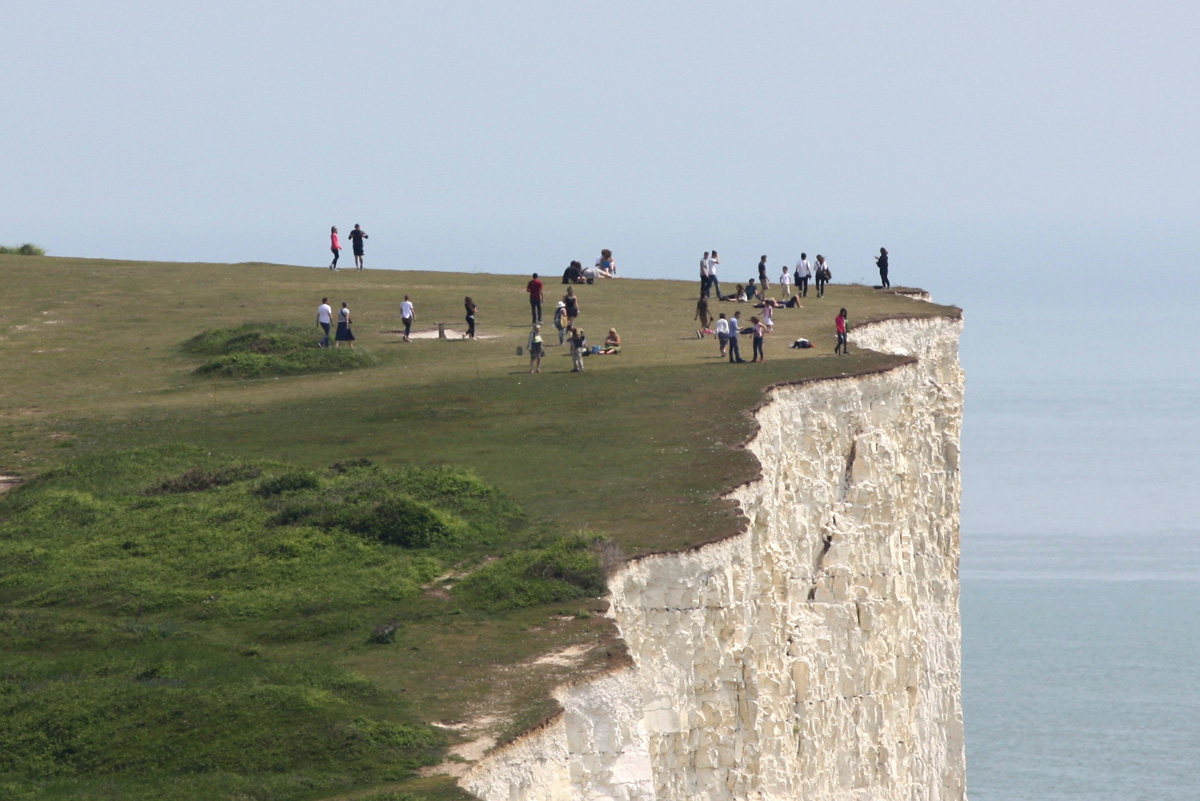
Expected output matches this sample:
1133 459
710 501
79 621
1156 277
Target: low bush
260 350
568 569
28 249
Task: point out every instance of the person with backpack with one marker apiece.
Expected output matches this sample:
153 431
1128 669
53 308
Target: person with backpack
823 275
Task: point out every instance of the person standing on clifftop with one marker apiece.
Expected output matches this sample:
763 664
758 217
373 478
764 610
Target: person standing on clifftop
882 262
763 284
407 315
534 288
713 261
735 355
356 243
803 273
842 346
704 285
335 246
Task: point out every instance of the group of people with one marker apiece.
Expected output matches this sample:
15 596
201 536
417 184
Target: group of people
727 330
605 267
344 332
356 243
565 314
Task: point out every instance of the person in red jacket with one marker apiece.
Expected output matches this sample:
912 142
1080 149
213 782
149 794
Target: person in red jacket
335 246
842 346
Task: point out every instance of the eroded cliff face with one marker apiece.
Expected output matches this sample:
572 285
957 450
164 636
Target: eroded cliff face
815 655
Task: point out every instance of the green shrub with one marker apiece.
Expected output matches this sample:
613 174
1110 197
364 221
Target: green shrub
567 569
293 481
28 249
259 350
198 479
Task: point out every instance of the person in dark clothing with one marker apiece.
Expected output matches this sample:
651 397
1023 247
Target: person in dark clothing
534 288
763 284
356 242
574 274
882 261
471 308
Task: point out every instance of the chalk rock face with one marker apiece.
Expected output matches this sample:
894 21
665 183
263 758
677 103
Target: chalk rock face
814 656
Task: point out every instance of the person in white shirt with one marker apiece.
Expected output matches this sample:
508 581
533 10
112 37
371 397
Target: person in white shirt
803 273
722 333
713 261
407 315
785 282
324 318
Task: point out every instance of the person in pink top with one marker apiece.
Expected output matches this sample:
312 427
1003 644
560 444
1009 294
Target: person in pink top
335 246
842 346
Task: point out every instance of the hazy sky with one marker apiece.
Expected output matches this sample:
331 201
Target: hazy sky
508 137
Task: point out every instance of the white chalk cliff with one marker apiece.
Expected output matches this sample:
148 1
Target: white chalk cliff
815 655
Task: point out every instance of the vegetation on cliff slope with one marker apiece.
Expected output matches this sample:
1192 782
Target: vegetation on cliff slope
170 613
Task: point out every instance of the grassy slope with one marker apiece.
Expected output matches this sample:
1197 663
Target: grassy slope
639 446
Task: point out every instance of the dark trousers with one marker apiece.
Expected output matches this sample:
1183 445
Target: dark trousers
336 253
802 286
715 285
757 348
470 325
325 340
883 276
535 308
821 282
735 355
407 325
705 286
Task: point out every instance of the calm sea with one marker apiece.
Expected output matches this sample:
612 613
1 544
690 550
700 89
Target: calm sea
1081 553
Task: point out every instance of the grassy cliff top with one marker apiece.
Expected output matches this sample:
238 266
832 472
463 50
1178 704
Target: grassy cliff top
640 447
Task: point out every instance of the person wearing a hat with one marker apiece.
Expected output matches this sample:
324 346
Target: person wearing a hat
560 321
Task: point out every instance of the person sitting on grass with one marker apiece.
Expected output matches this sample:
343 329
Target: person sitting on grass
612 344
737 297
574 274
751 290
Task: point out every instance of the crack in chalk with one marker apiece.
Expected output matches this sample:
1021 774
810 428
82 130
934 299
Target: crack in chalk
848 476
826 544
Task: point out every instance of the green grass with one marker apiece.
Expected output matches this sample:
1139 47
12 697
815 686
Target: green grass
565 472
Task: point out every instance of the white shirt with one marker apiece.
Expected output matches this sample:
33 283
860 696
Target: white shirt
802 268
712 267
324 313
344 315
785 278
406 309
723 326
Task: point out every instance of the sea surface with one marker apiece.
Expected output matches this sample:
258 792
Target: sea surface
1081 553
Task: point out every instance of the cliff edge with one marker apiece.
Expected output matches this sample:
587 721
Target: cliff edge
814 655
